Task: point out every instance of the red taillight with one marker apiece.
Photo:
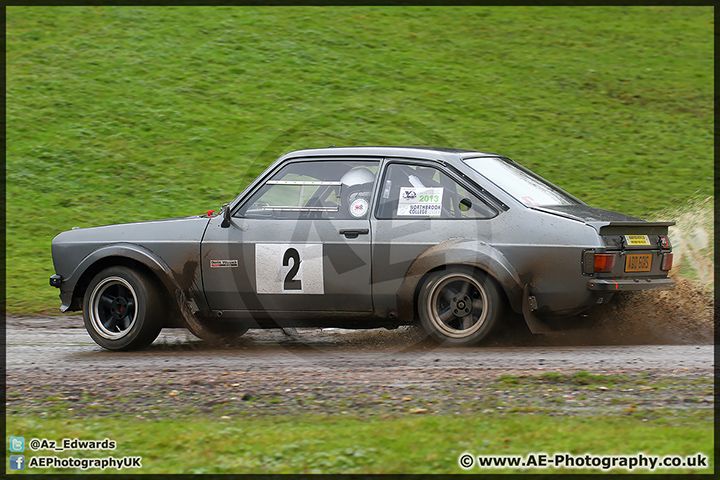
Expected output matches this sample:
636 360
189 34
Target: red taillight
603 262
666 261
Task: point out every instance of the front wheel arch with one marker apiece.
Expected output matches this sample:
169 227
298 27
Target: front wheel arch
122 309
170 308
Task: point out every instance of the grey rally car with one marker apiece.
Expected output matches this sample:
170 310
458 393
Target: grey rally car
362 237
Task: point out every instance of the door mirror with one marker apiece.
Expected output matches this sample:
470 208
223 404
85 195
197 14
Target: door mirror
226 216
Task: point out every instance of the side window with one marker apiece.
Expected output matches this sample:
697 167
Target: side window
412 191
333 189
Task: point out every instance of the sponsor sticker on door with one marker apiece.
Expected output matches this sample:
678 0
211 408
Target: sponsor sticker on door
223 263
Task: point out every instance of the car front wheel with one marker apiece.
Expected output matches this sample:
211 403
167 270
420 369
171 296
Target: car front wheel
459 306
122 309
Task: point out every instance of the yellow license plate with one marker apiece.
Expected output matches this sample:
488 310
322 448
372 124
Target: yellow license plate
638 262
635 240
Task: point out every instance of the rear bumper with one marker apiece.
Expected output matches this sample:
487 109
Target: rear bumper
608 285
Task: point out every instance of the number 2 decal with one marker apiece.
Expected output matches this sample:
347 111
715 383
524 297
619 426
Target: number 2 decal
290 283
295 268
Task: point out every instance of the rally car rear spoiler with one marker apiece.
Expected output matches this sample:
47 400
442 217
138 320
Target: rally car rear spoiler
628 228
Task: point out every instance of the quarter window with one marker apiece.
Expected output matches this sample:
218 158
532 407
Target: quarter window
521 183
315 190
416 191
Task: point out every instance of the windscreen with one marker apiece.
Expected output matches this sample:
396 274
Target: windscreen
525 186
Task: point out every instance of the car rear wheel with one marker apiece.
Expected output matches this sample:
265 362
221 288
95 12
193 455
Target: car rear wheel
121 309
459 306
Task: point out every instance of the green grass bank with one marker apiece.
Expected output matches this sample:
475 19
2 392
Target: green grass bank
121 114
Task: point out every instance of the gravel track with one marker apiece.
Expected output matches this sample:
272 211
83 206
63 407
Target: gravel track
53 366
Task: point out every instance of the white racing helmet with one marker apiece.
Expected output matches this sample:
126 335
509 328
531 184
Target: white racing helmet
357 199
357 176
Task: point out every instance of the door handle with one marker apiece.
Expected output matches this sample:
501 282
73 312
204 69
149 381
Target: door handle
354 232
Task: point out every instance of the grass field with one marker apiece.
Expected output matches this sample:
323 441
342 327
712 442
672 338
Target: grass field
118 114
134 113
409 444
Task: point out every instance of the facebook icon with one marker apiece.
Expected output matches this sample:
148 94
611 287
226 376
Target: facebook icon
17 462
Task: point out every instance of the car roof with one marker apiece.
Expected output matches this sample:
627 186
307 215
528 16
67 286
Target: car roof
430 153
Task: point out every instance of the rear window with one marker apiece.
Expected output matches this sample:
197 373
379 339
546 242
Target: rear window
519 182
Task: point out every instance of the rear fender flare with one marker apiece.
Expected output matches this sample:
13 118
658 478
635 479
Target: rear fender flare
472 253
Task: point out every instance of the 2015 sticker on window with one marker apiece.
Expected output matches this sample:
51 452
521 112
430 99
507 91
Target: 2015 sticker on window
426 202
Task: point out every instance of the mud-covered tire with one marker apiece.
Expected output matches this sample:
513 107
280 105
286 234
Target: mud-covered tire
459 306
122 309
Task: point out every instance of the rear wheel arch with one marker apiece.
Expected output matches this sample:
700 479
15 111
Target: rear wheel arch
459 304
478 269
467 253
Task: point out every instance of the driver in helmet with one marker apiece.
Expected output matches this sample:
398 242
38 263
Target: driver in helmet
356 190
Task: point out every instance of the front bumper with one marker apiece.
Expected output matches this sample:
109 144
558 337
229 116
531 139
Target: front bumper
625 284
65 295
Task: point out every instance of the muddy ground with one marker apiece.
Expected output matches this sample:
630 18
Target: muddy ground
54 368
